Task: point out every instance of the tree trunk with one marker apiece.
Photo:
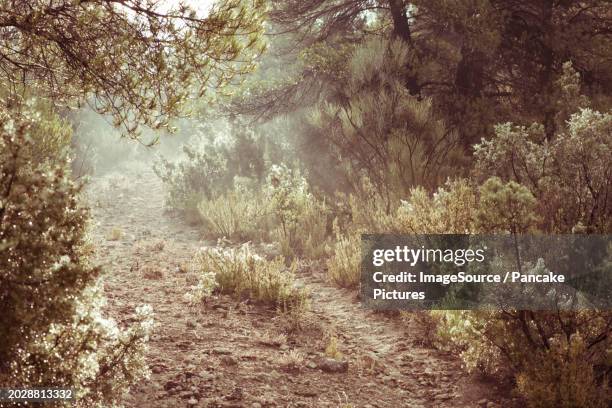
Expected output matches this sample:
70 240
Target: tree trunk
401 30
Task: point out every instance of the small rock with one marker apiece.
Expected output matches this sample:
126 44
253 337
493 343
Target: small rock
221 351
443 397
329 365
170 385
192 401
306 393
483 403
236 395
311 364
256 405
157 369
185 394
228 360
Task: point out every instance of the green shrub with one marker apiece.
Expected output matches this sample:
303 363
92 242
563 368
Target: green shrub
240 272
52 331
381 130
569 175
300 219
202 173
344 265
535 347
236 214
209 166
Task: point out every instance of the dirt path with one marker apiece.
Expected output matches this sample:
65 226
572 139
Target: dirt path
234 354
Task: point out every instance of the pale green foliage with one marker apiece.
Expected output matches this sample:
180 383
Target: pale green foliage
568 96
207 283
452 209
569 176
240 272
368 212
301 219
562 377
201 173
505 206
236 214
524 343
140 62
343 267
381 129
553 356
51 137
210 166
51 327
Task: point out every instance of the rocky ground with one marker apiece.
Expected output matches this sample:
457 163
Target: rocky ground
229 353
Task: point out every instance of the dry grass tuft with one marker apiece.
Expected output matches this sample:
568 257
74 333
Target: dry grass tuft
152 273
115 234
242 273
292 361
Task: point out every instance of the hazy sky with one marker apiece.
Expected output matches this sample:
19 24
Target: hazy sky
199 5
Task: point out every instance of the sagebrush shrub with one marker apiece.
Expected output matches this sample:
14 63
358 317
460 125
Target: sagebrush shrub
201 173
300 218
209 165
344 265
240 272
52 331
569 176
532 346
236 214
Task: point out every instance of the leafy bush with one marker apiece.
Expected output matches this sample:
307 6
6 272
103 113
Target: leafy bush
537 347
209 166
236 214
202 173
562 377
569 176
343 267
377 127
301 219
207 284
51 327
240 272
452 209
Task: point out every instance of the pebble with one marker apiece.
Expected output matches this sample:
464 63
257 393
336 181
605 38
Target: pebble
329 365
228 360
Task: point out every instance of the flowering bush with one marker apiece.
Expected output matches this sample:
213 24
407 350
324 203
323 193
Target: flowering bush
343 267
301 219
241 272
210 165
201 174
51 327
550 354
237 214
207 283
569 176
